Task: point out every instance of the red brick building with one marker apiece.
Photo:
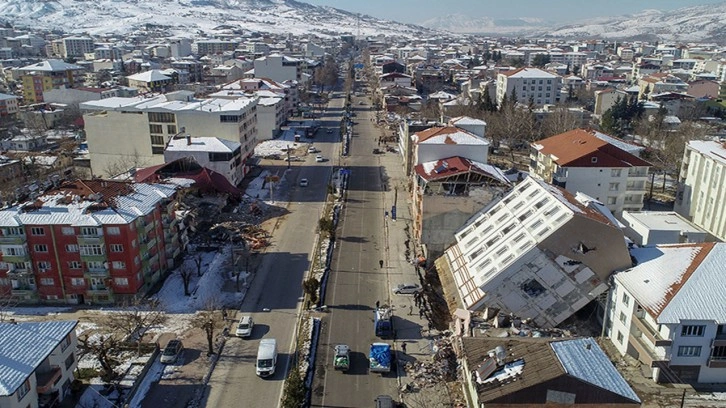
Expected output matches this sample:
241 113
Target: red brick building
89 241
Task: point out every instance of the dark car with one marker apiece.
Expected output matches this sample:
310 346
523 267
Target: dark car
384 401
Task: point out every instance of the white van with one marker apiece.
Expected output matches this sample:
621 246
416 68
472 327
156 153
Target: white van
266 357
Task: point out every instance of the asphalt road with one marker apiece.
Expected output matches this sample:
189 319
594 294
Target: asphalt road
357 281
277 285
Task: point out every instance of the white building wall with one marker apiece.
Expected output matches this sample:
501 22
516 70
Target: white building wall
232 173
432 152
270 118
271 67
596 182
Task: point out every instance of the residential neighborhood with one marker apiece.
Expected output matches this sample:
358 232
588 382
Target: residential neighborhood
357 214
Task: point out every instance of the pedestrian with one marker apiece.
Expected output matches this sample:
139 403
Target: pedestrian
224 314
403 347
410 310
378 304
380 262
420 313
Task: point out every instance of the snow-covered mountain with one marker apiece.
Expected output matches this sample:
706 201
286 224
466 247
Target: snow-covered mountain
697 23
196 16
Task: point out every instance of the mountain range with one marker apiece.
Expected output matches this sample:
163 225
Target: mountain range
217 17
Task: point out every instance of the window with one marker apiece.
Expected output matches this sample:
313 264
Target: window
74 265
157 140
171 129
68 231
70 360
113 231
117 248
612 200
162 117
136 260
121 281
626 299
118 265
23 390
90 231
91 250
614 186
229 118
37 231
46 281
40 248
43 266
77 282
155 128
689 351
620 337
623 318
692 331
71 248
718 353
157 149
65 343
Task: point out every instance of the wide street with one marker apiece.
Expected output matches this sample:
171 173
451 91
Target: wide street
274 296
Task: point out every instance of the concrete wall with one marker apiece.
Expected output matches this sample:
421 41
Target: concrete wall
432 152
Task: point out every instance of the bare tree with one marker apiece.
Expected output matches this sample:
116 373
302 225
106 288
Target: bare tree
104 348
7 302
185 272
559 121
209 320
198 262
136 320
124 163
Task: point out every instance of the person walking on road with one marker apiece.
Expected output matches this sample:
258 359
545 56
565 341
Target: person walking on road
410 310
378 304
403 348
380 262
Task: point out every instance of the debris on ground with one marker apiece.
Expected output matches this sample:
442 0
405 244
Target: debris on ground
441 367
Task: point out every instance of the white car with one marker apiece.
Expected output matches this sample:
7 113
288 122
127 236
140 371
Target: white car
312 149
319 159
171 351
303 182
407 289
244 327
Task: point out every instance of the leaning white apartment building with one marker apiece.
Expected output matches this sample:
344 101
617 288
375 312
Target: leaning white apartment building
125 133
37 361
701 196
669 312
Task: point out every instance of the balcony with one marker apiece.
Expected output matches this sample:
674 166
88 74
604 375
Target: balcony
93 257
19 258
149 227
46 380
717 362
646 354
637 172
90 240
24 290
96 273
647 331
97 290
13 239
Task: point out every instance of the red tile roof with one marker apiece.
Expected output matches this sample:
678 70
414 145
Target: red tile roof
579 148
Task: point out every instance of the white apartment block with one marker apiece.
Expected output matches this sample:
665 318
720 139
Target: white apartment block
271 115
702 186
668 312
279 68
541 86
595 164
123 133
77 46
38 361
538 252
210 47
222 156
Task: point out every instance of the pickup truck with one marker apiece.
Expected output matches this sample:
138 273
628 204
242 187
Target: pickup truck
382 322
380 358
341 359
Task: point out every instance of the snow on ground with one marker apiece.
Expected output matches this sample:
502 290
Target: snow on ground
260 190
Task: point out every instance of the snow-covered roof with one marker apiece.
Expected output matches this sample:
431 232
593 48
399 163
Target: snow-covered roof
161 103
153 75
584 359
51 65
202 144
448 135
714 150
456 165
23 346
466 121
529 73
679 282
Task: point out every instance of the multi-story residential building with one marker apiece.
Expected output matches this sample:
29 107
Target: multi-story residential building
659 83
595 164
271 115
660 227
194 68
180 48
209 47
38 362
77 47
78 95
539 253
701 193
108 52
245 87
279 68
222 156
529 84
668 312
145 125
8 105
47 75
89 241
150 81
606 99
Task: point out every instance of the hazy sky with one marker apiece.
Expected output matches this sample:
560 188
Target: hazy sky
416 11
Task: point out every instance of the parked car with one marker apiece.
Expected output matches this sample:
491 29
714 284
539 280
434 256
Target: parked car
303 182
312 149
407 289
245 326
319 159
384 401
172 351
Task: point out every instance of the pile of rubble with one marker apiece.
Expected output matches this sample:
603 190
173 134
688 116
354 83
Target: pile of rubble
442 367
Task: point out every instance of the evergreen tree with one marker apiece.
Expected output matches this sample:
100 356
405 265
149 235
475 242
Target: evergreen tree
486 103
608 123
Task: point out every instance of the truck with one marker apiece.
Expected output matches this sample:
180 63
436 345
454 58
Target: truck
266 357
380 358
382 322
341 359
